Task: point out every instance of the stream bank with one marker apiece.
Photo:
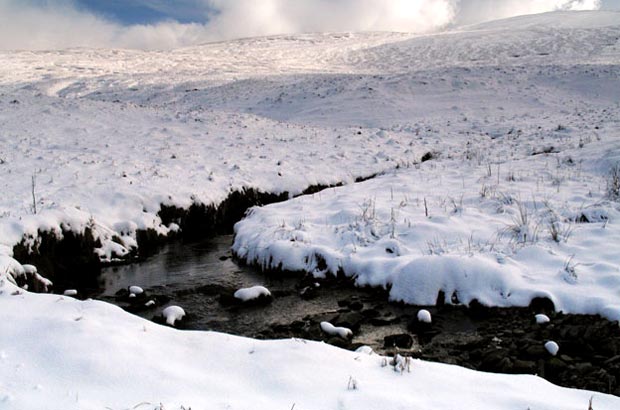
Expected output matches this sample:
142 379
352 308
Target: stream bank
201 277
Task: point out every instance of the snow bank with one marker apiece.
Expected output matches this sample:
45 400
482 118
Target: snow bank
500 234
84 350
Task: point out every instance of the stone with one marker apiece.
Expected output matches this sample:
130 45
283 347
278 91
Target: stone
371 313
351 320
419 327
227 299
536 351
524 367
427 157
493 359
380 322
477 310
338 342
298 325
612 360
403 341
441 299
542 304
583 367
356 305
554 367
609 347
309 292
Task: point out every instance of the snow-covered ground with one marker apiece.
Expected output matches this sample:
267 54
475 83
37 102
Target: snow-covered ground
60 353
499 225
518 201
522 120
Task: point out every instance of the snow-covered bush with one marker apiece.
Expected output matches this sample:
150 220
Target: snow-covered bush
522 228
401 364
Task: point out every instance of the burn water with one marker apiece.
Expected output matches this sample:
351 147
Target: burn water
202 276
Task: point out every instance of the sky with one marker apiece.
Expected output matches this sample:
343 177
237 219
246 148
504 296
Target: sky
165 24
186 11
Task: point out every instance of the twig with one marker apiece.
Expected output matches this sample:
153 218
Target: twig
34 197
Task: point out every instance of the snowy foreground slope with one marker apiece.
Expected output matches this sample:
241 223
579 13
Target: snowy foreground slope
90 355
521 120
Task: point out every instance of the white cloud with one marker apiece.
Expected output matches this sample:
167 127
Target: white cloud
45 24
474 11
242 17
59 24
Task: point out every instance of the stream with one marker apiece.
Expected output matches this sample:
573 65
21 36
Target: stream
196 275
202 276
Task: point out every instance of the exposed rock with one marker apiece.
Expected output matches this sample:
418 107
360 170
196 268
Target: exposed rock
403 341
524 366
542 305
352 320
356 305
370 313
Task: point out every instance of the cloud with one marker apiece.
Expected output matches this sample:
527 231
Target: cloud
475 11
243 17
44 24
55 24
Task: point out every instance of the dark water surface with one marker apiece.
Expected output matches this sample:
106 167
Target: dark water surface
181 266
194 276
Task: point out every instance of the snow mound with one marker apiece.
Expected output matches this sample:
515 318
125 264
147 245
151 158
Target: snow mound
331 330
552 347
365 350
173 314
252 293
424 316
542 319
136 290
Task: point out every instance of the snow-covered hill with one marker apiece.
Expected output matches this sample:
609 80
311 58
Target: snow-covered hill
521 118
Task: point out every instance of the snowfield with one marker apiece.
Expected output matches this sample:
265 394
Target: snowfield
496 147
